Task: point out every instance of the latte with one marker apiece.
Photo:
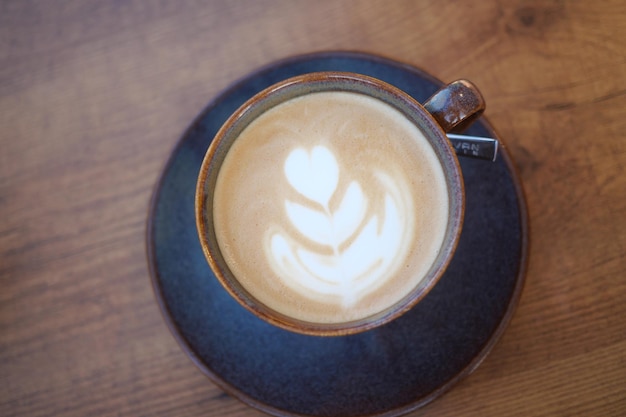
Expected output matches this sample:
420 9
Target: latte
330 207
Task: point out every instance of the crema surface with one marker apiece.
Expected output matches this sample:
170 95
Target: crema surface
330 207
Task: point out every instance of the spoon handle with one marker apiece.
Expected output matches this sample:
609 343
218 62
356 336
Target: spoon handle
474 146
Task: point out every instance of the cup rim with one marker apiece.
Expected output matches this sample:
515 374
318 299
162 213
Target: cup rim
302 85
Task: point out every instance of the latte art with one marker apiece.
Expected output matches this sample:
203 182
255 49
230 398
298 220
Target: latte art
330 207
361 249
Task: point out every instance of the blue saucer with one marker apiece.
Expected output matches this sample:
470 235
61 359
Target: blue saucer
390 370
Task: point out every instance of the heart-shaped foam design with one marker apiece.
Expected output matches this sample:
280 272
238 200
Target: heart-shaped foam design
314 175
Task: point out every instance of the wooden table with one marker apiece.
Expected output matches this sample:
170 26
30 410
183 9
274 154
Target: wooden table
94 95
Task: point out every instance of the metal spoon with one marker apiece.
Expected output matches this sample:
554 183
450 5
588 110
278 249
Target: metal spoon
474 146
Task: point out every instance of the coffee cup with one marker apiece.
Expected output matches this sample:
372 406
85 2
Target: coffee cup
331 203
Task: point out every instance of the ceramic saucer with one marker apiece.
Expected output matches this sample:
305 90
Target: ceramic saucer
388 371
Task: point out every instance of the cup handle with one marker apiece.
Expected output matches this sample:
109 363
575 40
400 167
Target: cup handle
456 106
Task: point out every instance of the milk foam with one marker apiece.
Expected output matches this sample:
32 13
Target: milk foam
361 249
330 207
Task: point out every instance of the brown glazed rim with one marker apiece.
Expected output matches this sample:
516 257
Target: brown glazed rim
155 277
279 93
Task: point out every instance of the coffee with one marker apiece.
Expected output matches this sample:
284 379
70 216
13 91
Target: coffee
330 207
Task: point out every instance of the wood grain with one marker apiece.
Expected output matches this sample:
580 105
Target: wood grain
94 95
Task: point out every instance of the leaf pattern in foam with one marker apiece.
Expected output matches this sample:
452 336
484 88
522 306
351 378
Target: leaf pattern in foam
350 213
364 251
330 229
289 266
345 270
313 175
313 224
